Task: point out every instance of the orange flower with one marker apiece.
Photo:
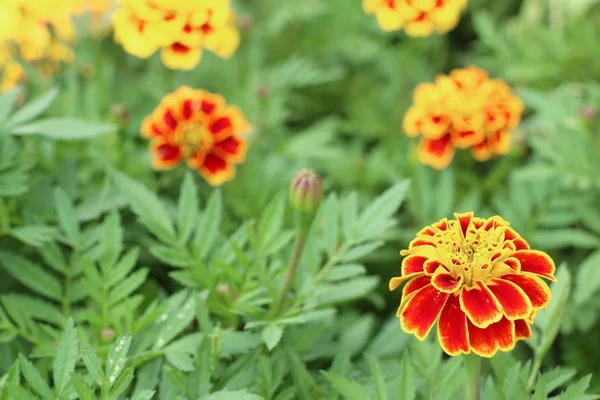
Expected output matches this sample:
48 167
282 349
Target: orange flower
417 17
465 109
478 279
180 29
199 127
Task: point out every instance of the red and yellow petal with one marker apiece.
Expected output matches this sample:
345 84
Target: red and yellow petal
415 284
465 221
399 280
446 282
432 265
413 264
216 170
421 311
497 336
522 329
536 262
221 126
232 149
165 155
513 300
452 328
480 305
538 292
179 56
436 153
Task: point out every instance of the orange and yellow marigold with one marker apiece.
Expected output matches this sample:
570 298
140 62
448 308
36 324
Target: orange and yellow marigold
197 126
180 29
465 109
416 17
478 279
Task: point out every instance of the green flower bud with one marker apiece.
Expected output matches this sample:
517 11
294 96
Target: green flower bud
306 191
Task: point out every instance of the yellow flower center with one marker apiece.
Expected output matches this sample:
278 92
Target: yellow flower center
194 138
478 257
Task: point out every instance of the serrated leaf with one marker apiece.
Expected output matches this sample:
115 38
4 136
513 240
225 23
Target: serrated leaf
360 251
31 275
81 387
33 108
556 378
92 363
587 279
406 381
149 209
66 358
330 216
378 380
122 383
237 343
347 290
187 208
64 129
7 102
10 379
560 238
143 395
342 272
208 227
126 287
270 223
179 316
381 211
272 335
66 217
117 357
34 378
350 390
577 390
34 235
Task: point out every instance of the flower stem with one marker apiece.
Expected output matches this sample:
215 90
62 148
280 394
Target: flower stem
299 243
473 377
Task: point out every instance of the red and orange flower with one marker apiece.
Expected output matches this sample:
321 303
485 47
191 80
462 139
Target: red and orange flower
465 109
180 29
478 279
198 127
416 17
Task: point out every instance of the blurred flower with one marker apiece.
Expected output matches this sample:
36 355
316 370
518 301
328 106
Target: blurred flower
465 109
478 279
416 17
11 75
181 29
199 127
306 191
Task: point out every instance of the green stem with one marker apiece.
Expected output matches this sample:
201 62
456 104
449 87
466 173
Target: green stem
299 243
535 368
473 377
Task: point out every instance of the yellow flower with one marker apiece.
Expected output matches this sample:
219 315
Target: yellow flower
416 17
465 109
11 76
181 30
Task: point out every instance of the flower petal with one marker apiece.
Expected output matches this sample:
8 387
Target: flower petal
536 262
535 288
522 329
432 265
415 284
180 56
486 342
452 328
436 153
165 155
465 220
412 264
480 305
513 300
215 170
397 281
421 311
445 282
231 149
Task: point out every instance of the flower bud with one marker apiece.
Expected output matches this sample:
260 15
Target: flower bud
306 191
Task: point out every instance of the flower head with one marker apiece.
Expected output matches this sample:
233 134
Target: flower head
306 191
465 109
197 126
180 29
478 279
416 17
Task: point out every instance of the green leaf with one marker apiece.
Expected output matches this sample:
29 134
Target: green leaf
377 217
149 209
92 363
350 390
126 287
236 343
10 379
347 290
117 357
556 378
587 279
560 238
378 380
66 358
406 381
232 395
208 227
577 390
34 378
66 217
34 235
200 380
187 209
144 395
31 275
331 224
360 251
81 387
64 129
270 223
342 272
272 335
122 383
33 108
7 102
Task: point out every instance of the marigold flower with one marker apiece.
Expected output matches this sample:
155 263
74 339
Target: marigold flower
478 279
416 17
197 126
180 29
465 109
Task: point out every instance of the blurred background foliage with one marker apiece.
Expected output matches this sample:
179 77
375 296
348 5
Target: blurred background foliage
325 88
